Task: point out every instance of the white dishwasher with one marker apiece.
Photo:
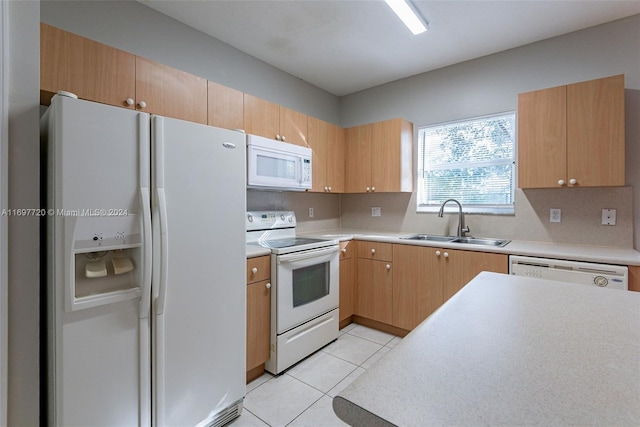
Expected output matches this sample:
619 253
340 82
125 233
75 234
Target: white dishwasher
601 275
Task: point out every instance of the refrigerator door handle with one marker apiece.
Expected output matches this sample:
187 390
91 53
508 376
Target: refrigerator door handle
145 286
164 245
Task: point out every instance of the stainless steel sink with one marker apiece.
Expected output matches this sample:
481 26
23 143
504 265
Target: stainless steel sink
481 241
433 238
452 239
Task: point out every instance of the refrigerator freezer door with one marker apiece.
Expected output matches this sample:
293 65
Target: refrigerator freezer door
199 294
97 337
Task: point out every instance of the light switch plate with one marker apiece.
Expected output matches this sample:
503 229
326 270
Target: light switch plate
608 217
555 215
375 211
310 212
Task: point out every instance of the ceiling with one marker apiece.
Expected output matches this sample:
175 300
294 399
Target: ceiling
345 46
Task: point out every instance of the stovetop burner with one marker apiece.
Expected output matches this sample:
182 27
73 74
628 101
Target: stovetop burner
287 242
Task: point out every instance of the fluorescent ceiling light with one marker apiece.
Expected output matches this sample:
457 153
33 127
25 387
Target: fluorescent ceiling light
409 16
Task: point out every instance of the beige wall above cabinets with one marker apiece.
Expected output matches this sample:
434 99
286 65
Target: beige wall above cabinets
379 157
100 73
274 121
327 142
572 135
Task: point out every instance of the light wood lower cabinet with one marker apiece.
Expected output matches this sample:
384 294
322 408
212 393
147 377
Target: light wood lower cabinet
634 278
417 285
401 285
347 282
374 281
258 314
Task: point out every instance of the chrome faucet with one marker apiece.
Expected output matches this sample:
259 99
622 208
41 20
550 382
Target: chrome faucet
461 228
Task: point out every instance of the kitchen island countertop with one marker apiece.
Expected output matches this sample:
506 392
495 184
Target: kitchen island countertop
509 350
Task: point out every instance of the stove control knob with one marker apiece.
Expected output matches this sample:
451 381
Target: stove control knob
282 217
291 219
250 218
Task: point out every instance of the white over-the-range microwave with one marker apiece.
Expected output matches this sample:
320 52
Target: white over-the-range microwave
276 165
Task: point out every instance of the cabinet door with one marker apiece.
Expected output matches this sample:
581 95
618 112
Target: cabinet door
170 92
595 132
261 117
293 126
453 277
542 153
475 262
357 168
417 285
347 287
258 323
391 156
335 159
374 289
89 69
319 134
225 106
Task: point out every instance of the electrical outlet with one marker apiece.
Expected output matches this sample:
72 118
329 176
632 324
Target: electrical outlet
608 217
555 215
310 212
375 211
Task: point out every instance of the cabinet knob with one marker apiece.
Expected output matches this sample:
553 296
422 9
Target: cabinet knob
561 182
437 253
278 137
142 104
329 189
388 266
129 101
254 270
344 250
573 181
373 188
368 189
268 286
284 138
446 254
326 188
373 251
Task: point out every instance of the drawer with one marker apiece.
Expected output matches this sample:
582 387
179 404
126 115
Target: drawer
346 249
258 268
375 250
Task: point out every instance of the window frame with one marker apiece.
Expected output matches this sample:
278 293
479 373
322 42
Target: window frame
486 209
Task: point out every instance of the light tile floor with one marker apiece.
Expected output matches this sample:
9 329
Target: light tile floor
302 396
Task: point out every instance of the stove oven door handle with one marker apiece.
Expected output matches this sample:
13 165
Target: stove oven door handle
313 253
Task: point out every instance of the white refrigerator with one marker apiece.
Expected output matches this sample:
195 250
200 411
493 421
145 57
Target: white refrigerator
146 294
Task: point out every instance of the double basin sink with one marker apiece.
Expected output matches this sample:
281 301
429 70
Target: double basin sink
453 239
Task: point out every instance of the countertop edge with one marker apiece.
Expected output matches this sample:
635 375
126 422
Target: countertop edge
585 253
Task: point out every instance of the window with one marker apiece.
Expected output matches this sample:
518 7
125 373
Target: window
471 161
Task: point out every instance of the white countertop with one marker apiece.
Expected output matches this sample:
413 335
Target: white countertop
509 350
587 253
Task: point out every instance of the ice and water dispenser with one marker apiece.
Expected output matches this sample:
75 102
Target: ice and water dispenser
106 256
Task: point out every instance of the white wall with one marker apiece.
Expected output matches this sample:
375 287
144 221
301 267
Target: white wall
490 85
24 163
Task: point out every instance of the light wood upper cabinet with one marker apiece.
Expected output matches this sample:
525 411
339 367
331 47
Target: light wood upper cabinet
100 73
170 92
327 142
572 135
357 157
225 106
271 120
379 157
89 69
